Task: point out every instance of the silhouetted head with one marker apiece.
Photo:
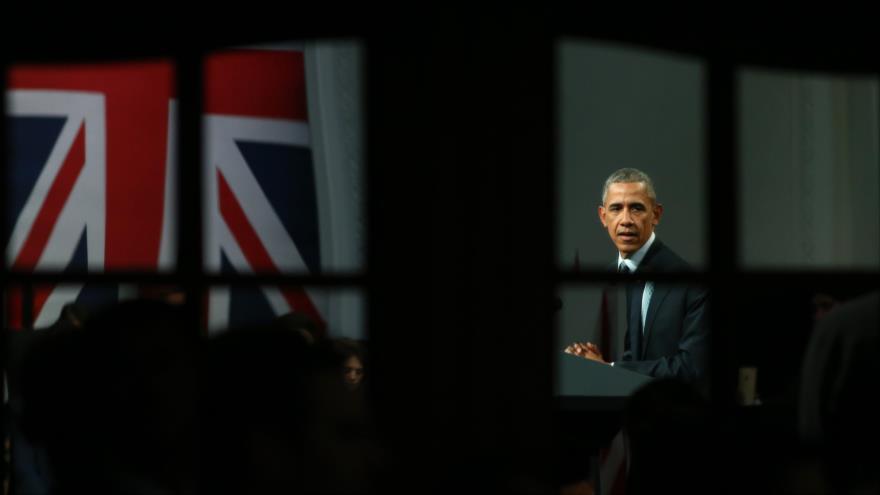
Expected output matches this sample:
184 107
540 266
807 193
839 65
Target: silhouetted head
300 323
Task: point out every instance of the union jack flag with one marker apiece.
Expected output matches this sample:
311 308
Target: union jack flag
90 171
260 195
92 178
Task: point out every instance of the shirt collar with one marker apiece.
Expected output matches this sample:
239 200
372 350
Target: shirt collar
633 261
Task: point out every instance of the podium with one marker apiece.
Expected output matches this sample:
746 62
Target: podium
582 384
590 398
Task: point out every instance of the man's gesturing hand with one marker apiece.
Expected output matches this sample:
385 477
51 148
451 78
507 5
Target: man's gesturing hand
586 350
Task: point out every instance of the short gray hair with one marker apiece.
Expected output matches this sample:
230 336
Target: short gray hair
630 175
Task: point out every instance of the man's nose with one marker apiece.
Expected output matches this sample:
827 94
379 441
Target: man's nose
626 218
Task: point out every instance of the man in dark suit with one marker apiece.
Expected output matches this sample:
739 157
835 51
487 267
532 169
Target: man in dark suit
667 325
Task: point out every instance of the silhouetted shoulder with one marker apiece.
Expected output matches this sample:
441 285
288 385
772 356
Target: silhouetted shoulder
860 314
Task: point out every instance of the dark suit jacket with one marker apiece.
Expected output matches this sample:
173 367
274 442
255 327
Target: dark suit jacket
676 337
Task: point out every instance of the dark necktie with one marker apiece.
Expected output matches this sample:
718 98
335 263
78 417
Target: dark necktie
634 291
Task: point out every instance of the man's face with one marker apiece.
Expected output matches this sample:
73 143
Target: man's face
629 215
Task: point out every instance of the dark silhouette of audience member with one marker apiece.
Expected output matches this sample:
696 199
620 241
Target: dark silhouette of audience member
72 315
301 323
823 303
350 354
278 419
5 463
31 471
170 294
113 403
668 433
838 410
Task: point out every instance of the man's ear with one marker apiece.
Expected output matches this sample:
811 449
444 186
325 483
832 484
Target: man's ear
658 212
602 215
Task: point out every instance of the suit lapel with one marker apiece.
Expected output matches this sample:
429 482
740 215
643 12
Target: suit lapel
649 265
660 293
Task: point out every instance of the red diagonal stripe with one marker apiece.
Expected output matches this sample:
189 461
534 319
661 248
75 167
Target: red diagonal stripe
59 191
254 251
41 294
242 230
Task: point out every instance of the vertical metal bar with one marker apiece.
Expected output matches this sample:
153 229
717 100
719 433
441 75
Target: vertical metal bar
5 357
189 192
723 231
4 222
